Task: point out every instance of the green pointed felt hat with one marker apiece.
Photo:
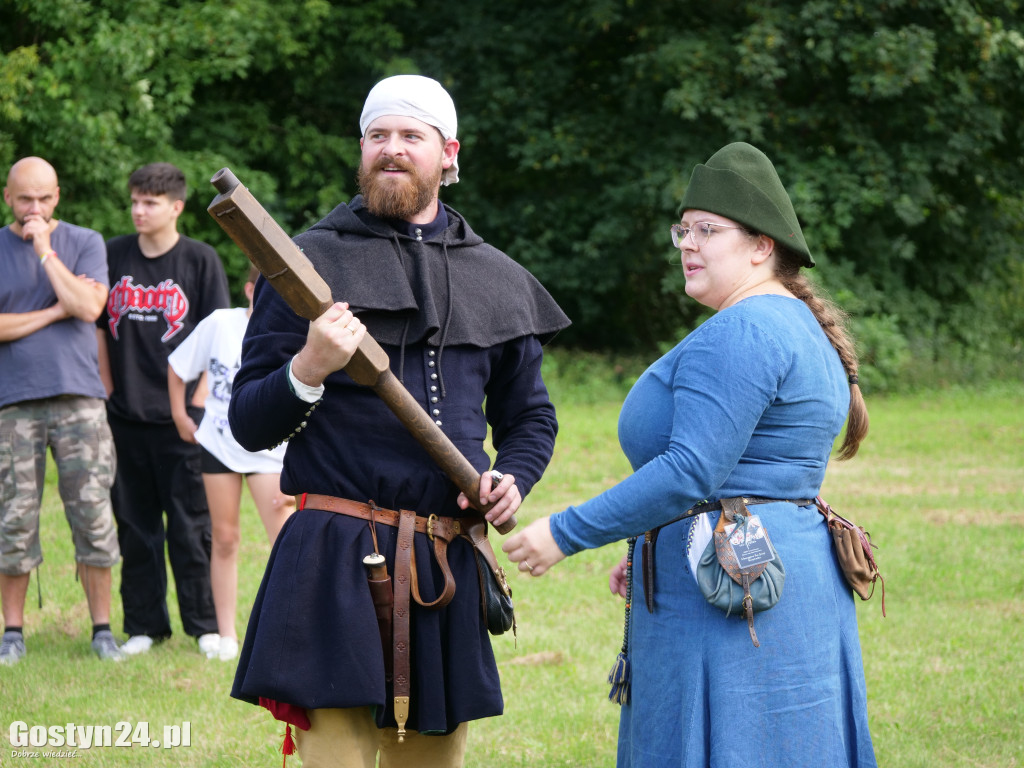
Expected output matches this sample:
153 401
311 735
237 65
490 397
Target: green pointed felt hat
740 183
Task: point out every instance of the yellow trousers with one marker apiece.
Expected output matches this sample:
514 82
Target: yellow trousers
350 738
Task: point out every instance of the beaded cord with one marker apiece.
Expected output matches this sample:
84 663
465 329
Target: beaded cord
619 676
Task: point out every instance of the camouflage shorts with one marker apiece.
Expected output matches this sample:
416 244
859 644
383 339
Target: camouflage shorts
76 432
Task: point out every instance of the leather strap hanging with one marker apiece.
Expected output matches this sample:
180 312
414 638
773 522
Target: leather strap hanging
403 582
441 531
732 510
647 561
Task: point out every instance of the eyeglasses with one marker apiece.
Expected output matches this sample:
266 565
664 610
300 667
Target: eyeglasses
701 231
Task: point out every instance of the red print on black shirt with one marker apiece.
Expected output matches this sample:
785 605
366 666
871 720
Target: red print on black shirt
166 298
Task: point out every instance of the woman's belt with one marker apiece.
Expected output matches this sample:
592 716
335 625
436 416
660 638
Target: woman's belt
716 506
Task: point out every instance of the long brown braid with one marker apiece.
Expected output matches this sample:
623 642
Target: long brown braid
833 321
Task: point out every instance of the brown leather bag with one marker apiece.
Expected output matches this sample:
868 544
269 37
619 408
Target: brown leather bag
853 548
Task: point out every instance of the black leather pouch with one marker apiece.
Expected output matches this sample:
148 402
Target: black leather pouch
495 596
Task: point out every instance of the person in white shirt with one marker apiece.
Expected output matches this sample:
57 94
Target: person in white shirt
215 347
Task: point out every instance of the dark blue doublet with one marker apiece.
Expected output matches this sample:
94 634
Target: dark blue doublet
312 639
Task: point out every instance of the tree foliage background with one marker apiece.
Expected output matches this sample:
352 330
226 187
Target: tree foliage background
896 126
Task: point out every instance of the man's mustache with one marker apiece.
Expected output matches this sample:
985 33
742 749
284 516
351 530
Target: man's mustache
386 162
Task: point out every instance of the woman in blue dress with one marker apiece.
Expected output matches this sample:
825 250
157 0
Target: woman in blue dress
749 404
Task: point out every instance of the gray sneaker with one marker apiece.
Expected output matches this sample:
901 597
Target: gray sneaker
12 648
105 646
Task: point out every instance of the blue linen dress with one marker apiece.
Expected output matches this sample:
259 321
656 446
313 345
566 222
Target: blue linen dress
749 404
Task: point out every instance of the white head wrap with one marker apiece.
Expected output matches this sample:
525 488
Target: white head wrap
414 96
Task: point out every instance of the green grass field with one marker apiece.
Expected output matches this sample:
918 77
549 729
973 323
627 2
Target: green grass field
939 483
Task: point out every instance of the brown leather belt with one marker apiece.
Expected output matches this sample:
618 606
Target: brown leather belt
445 527
441 530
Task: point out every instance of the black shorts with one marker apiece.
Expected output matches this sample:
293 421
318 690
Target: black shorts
211 465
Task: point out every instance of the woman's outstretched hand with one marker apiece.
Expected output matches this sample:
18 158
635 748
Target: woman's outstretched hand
534 548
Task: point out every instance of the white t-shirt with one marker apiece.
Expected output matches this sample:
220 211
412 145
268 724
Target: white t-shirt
215 346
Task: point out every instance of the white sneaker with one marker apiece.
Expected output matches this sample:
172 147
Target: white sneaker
209 644
137 644
228 648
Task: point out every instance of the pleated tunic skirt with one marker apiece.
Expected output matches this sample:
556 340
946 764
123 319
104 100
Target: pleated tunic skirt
313 639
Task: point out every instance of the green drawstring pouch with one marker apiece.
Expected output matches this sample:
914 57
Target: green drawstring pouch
740 572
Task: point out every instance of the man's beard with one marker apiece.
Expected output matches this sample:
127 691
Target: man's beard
400 198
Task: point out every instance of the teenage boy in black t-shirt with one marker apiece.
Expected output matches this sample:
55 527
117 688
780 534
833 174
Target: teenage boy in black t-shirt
162 285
